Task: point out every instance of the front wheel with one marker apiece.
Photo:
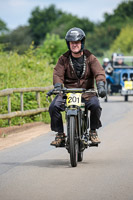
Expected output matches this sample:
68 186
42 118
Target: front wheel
73 141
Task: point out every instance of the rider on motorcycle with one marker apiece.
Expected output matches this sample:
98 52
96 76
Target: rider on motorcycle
105 62
77 68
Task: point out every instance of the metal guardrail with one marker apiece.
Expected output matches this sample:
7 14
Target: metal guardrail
22 113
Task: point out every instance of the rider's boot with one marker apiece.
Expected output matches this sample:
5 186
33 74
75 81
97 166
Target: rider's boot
93 136
59 140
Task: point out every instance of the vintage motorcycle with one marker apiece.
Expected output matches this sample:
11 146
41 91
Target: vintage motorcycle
77 120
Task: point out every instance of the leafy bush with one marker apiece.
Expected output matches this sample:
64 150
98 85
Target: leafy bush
53 47
23 71
124 41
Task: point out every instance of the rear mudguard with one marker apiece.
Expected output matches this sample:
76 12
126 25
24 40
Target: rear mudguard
72 112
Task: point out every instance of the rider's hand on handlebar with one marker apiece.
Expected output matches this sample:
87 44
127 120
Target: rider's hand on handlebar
58 86
49 93
101 89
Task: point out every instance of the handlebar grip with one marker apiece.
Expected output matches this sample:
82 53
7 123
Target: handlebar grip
49 93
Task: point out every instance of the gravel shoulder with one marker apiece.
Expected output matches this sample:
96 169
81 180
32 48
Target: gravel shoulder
15 135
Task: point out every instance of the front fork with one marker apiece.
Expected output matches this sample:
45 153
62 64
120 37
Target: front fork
83 126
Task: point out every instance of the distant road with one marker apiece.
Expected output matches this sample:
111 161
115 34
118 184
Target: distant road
35 170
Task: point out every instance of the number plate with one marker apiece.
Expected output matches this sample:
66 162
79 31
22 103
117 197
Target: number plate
128 85
74 99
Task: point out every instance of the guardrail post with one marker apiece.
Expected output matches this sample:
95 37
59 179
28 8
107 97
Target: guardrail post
9 108
21 101
38 102
38 99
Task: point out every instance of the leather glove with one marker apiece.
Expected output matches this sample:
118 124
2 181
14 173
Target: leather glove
58 86
101 89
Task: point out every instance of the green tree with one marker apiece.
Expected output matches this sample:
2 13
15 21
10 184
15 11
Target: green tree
67 21
52 47
3 26
100 39
121 15
54 21
18 40
107 31
124 41
42 22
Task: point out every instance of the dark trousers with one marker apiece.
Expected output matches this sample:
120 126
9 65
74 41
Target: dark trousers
57 106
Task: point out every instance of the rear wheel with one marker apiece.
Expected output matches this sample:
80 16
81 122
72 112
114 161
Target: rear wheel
73 141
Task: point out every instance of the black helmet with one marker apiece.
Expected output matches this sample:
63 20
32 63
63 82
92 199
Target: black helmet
75 34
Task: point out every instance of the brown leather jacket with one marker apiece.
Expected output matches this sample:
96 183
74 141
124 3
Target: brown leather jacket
64 72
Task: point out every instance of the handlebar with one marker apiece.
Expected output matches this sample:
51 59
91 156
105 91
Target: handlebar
70 90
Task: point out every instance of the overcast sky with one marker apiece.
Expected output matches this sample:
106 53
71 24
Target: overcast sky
17 12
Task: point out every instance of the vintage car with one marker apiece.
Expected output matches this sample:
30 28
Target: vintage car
119 76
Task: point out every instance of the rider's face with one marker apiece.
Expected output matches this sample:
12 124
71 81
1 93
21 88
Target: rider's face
120 61
75 46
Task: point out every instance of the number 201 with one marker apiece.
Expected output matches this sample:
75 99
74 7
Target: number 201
73 99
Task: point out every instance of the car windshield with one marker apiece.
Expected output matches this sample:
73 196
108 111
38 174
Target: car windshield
123 62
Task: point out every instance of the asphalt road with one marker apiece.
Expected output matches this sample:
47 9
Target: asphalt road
35 170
